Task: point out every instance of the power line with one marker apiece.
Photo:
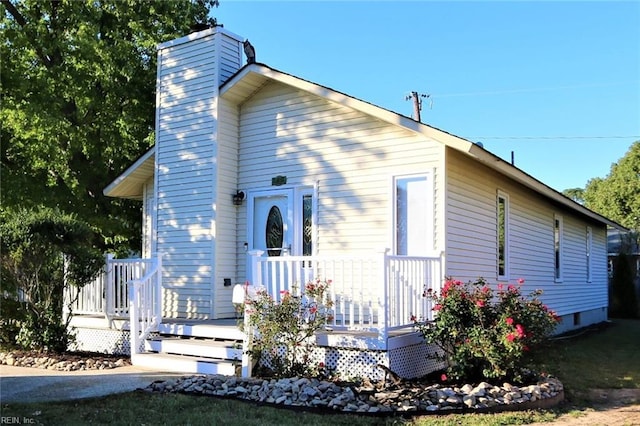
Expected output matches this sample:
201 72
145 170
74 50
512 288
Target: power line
550 137
534 89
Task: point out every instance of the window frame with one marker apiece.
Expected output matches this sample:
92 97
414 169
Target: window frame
589 253
558 247
430 211
501 195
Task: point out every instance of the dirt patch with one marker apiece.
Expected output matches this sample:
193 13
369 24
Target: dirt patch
611 407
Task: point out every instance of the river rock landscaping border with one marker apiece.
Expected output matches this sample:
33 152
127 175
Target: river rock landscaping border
62 362
407 398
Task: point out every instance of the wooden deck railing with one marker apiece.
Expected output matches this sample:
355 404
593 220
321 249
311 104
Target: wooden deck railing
377 292
145 309
108 294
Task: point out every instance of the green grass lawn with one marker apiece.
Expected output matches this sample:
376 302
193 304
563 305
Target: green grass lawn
605 359
608 358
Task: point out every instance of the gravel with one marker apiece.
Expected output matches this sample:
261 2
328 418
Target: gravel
369 398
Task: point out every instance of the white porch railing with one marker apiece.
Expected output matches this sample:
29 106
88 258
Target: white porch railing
108 294
145 309
379 292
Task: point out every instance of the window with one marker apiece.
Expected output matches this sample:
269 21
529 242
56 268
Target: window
502 226
307 224
413 216
589 244
557 241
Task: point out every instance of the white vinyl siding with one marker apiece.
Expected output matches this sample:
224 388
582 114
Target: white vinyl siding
187 175
348 155
472 242
148 222
227 246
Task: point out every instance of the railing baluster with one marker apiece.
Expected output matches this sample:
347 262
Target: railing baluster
368 292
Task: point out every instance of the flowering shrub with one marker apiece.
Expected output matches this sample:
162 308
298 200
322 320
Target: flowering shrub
485 334
284 330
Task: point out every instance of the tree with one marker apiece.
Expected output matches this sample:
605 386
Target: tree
576 194
78 99
42 253
617 196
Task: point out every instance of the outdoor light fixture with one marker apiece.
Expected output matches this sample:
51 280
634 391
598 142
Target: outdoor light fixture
238 198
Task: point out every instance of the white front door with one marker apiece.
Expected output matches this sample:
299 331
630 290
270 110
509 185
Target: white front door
272 220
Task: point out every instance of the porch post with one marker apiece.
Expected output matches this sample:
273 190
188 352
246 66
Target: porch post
134 319
255 277
157 308
108 287
383 332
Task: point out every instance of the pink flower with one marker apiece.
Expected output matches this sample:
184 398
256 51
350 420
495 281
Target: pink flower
509 321
443 377
284 292
437 307
520 330
480 303
520 281
511 337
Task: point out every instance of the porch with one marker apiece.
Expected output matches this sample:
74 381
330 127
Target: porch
374 297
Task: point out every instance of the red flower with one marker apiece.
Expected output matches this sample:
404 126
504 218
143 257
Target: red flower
413 318
443 378
321 365
525 348
284 292
313 309
480 303
509 321
437 307
511 337
520 330
520 281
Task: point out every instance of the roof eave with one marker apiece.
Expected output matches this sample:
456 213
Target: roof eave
262 73
130 184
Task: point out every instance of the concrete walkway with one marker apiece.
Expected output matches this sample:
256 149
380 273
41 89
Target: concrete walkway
24 384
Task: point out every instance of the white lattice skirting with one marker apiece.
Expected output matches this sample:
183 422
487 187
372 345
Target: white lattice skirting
105 341
408 362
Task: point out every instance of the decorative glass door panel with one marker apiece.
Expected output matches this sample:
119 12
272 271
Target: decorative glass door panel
272 222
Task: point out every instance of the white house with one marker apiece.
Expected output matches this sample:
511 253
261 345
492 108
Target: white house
263 176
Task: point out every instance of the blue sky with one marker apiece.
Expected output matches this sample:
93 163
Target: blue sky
558 83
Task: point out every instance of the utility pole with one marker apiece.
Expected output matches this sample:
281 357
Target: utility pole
417 103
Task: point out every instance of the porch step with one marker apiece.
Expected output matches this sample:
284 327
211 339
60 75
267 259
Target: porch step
187 346
206 348
227 331
185 364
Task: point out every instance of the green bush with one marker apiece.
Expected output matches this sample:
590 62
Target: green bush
42 251
484 335
284 330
